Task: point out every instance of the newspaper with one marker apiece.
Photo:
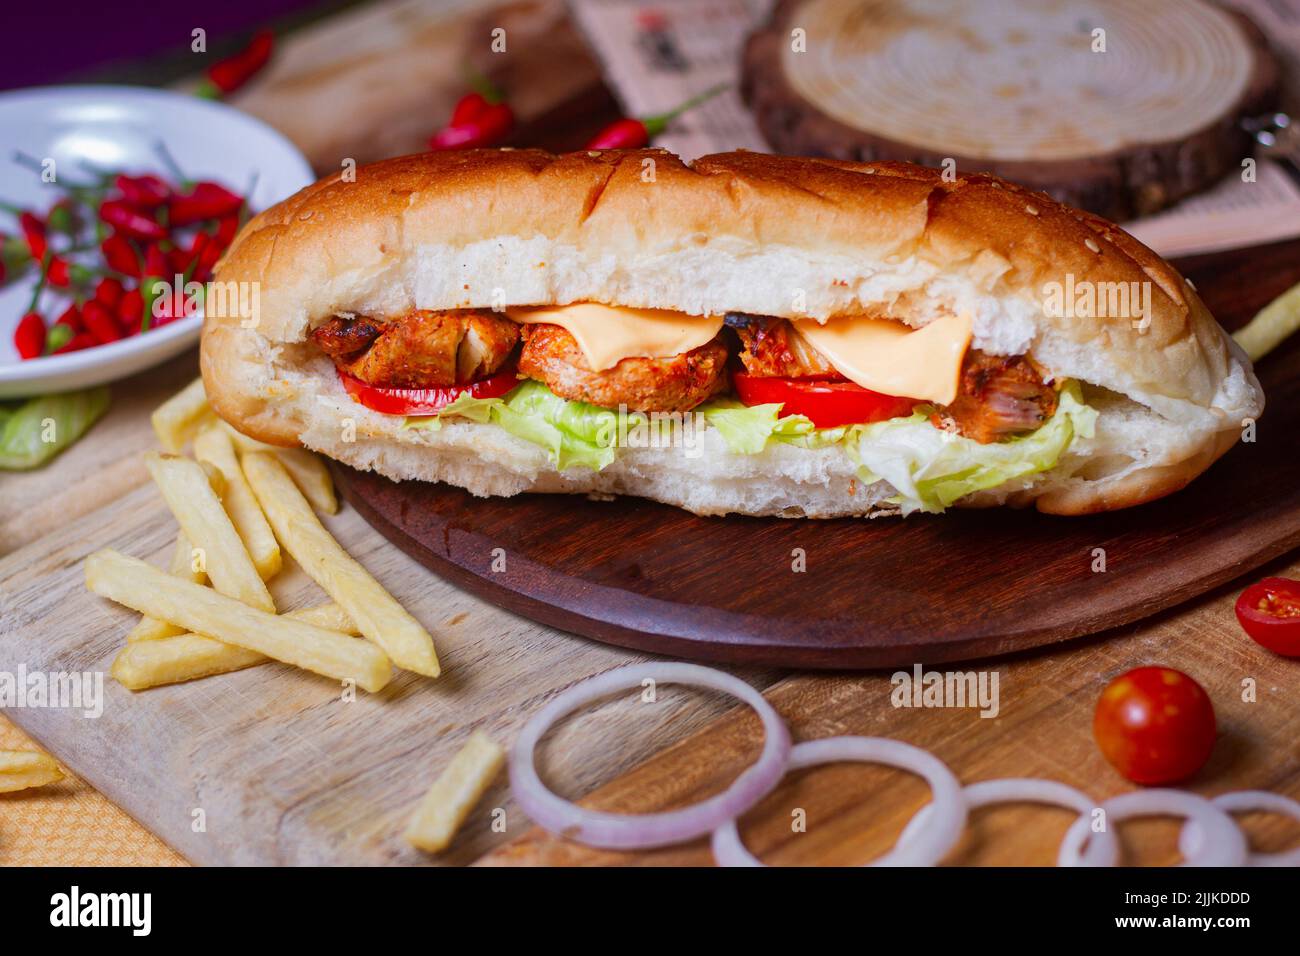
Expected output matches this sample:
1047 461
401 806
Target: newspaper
658 54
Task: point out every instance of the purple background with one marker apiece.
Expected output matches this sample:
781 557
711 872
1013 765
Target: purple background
53 41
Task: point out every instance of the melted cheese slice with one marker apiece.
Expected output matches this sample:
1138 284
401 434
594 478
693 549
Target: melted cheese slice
893 359
608 334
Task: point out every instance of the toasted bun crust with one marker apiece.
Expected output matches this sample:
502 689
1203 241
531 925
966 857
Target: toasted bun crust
735 231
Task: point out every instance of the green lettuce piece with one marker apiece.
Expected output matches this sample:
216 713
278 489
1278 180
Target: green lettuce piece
932 468
466 406
574 434
34 431
746 429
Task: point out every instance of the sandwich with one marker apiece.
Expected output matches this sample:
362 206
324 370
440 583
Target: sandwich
751 334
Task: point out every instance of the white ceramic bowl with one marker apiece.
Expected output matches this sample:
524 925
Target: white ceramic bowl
117 127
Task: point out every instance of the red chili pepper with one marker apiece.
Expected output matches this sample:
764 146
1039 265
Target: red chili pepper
59 273
226 230
230 74
71 317
121 256
622 134
490 126
100 322
81 340
130 310
204 253
155 262
34 232
109 291
467 108
204 201
146 192
29 336
179 260
130 221
633 133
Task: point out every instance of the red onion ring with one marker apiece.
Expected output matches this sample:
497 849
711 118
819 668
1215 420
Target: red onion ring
926 849
1026 790
624 831
1226 845
1243 801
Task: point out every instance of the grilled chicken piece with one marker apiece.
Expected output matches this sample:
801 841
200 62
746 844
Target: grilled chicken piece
340 338
421 349
773 349
1000 396
674 384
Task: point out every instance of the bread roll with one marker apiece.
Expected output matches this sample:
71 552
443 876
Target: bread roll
741 231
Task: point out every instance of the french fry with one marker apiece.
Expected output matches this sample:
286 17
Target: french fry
378 615
304 467
1275 322
182 566
176 420
213 446
202 610
189 495
23 769
455 792
309 473
190 656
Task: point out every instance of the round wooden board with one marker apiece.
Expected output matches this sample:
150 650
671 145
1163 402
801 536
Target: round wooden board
880 593
1020 90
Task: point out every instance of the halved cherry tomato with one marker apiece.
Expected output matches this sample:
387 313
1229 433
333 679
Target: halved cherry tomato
1155 725
1270 613
826 403
424 401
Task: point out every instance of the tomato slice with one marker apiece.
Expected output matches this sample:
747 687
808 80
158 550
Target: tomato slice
1270 613
1155 725
826 403
424 401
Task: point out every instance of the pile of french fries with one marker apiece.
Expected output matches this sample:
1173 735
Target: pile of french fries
238 502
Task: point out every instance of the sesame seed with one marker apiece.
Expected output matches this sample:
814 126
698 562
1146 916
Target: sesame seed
1092 244
1032 210
1190 284
593 153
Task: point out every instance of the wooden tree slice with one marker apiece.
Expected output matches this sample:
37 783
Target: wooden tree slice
1024 90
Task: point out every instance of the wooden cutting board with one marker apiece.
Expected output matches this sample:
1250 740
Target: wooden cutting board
283 770
872 593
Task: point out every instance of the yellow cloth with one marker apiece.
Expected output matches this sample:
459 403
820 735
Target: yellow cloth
69 823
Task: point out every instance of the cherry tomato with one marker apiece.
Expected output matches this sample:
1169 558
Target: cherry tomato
1270 613
424 401
826 403
1155 725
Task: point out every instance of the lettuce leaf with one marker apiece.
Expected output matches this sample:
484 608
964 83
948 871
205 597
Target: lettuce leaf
932 468
747 428
574 434
466 406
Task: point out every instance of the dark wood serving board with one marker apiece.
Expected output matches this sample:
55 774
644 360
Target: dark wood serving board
874 593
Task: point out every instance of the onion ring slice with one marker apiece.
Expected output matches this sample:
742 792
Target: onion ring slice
628 831
1025 790
927 849
1243 801
1226 845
